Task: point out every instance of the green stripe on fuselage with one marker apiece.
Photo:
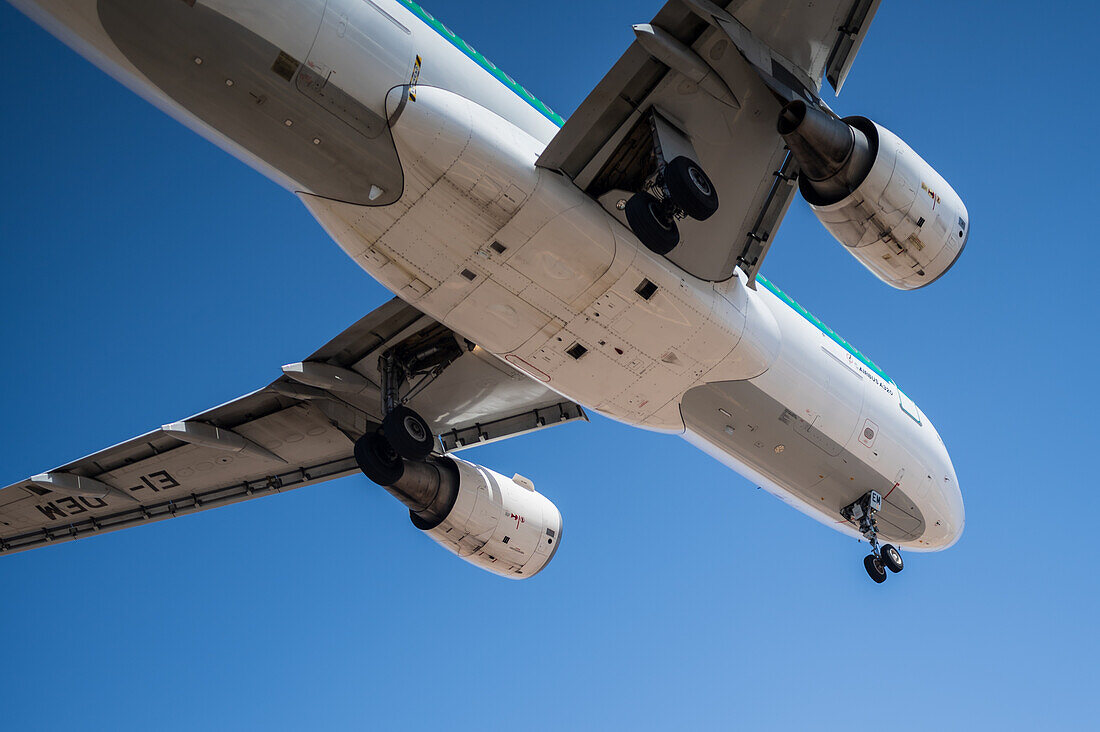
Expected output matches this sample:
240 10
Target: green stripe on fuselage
822 327
483 62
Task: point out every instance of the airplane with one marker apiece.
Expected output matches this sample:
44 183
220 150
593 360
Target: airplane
542 268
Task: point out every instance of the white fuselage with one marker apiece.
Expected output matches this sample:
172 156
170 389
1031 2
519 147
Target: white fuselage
460 222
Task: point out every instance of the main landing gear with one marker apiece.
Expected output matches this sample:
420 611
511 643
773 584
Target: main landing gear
679 189
382 452
659 162
403 435
883 558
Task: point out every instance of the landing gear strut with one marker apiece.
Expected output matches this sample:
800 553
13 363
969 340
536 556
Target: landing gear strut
881 558
404 435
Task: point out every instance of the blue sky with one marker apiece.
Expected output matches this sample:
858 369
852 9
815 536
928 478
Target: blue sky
145 275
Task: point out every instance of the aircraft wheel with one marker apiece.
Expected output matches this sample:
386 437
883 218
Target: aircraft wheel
651 224
408 433
891 558
874 567
378 460
691 188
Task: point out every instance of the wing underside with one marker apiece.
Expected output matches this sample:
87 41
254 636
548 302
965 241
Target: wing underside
287 435
741 61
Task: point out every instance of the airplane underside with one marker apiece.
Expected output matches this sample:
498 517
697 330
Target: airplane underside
440 192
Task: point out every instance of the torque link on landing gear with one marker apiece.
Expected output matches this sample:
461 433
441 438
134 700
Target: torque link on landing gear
879 560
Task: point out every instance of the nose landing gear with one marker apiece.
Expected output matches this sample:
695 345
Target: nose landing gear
883 558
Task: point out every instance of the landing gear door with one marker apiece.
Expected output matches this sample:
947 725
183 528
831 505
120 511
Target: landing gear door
361 52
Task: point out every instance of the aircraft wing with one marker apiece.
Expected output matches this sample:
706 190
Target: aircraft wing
298 430
719 75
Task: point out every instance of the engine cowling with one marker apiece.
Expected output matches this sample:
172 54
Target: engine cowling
500 524
888 207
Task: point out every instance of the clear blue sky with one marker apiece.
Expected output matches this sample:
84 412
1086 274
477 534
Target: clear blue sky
145 275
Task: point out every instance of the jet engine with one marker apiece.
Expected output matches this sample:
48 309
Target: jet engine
888 207
499 524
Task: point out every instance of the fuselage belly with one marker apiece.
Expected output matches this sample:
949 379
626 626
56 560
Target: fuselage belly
418 158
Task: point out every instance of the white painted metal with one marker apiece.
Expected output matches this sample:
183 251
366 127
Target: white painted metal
518 260
904 223
500 524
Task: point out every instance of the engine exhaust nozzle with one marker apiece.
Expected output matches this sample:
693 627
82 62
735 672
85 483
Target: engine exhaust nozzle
834 157
428 488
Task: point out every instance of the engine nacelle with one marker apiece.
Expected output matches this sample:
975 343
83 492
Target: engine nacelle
888 207
500 524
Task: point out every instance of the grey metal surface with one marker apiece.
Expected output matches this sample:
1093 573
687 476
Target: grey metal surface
757 430
281 437
226 75
739 148
428 489
834 156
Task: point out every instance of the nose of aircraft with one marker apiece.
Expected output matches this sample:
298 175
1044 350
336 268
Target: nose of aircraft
946 515
956 512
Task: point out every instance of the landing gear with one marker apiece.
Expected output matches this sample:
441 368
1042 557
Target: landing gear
659 163
653 222
874 568
690 188
891 558
390 451
679 189
880 559
408 433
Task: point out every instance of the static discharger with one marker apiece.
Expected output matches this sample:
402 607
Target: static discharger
217 438
327 376
79 485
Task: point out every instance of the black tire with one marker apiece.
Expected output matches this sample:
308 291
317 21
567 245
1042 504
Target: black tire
648 222
874 568
408 433
378 460
691 188
891 558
